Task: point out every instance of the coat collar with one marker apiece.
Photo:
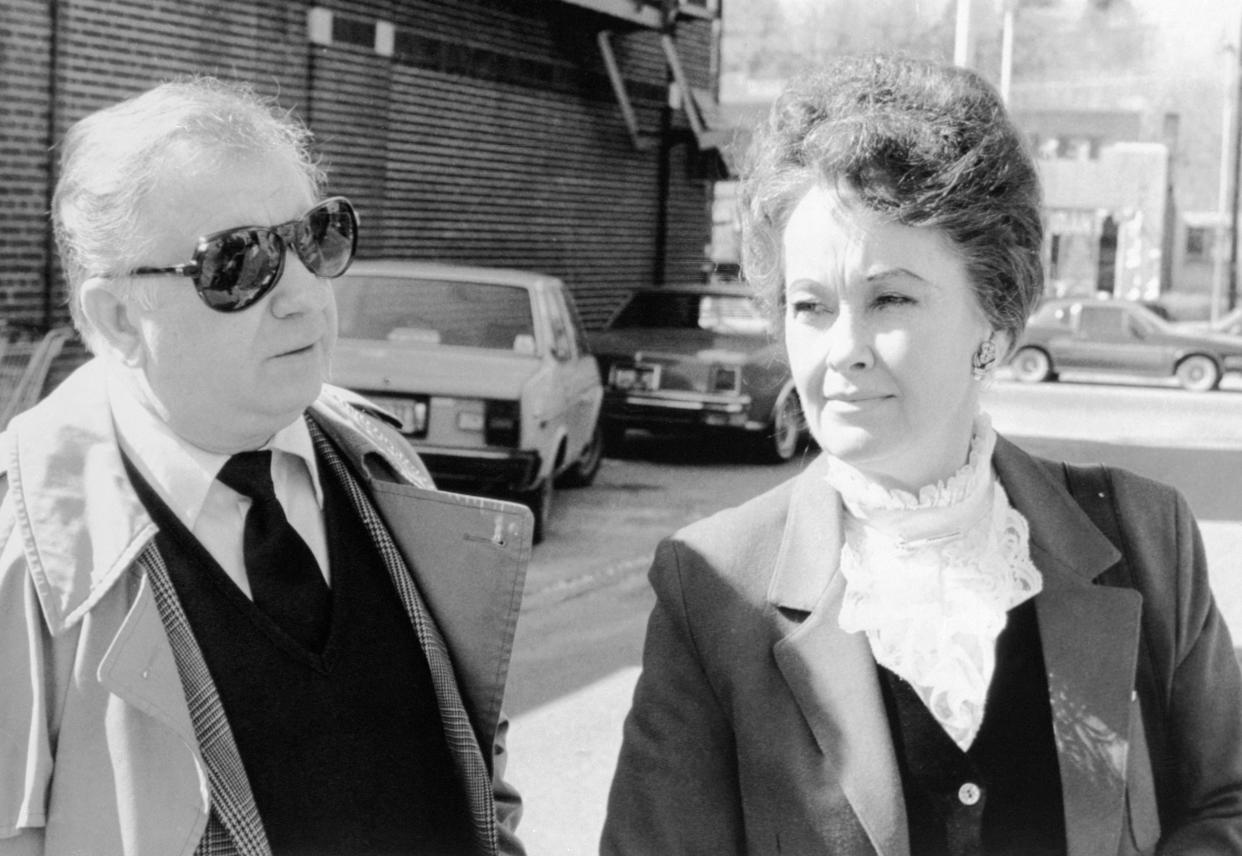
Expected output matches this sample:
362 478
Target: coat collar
1090 696
81 524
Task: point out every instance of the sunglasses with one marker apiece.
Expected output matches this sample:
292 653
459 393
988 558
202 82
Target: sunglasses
236 268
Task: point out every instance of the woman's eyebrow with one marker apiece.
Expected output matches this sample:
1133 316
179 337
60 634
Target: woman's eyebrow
896 273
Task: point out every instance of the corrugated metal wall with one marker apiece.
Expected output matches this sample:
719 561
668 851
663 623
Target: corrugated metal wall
490 137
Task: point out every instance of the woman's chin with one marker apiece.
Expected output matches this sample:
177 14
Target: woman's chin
849 443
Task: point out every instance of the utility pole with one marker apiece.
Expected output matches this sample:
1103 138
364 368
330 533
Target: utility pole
1006 77
1232 298
1222 228
963 37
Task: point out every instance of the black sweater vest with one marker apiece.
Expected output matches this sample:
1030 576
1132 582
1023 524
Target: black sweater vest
344 748
1002 797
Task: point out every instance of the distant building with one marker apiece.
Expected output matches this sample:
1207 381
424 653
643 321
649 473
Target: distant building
1105 203
1124 102
573 137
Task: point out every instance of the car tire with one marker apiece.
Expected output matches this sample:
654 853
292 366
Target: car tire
539 501
1031 365
779 441
582 471
1198 373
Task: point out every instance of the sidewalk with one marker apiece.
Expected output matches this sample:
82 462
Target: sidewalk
561 760
562 754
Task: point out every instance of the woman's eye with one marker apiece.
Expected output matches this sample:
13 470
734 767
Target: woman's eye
893 299
801 308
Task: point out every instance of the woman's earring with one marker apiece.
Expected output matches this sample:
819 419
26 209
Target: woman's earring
984 359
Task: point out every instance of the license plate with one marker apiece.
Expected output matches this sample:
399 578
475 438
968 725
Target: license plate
641 378
411 411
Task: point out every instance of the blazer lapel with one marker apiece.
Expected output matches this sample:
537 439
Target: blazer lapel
1089 636
831 673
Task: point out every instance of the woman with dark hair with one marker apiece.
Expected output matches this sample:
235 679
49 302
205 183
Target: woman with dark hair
928 642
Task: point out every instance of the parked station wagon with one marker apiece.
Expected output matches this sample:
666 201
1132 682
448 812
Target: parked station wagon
1120 336
488 371
697 358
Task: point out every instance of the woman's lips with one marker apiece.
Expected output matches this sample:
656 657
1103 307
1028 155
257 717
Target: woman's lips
855 402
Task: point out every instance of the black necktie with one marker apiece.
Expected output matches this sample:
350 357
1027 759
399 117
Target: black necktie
285 579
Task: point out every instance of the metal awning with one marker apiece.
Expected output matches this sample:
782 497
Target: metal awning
651 13
712 130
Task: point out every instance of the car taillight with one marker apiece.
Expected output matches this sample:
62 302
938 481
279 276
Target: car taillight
724 379
503 425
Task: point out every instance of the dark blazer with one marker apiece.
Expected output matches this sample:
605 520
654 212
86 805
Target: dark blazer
758 725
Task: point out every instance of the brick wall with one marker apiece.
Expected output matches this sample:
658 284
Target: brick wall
491 135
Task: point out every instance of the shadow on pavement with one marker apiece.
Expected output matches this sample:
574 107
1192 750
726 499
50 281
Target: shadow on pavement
1210 479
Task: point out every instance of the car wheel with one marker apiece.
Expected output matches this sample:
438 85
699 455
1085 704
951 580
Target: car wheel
1198 373
779 442
539 501
582 471
1031 365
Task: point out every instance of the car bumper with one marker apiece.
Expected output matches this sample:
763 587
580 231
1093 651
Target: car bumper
1233 363
483 470
679 411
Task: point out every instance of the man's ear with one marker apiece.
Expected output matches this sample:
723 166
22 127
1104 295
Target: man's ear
113 319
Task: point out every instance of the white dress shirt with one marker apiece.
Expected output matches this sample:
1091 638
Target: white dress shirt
184 476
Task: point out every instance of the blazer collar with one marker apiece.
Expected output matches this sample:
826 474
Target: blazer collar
1065 545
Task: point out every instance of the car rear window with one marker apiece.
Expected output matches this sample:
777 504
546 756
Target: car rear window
713 312
435 312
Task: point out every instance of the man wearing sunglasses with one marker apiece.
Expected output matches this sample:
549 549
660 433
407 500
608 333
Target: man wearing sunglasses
235 616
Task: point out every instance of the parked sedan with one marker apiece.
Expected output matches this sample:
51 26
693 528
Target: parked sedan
1120 336
696 359
487 370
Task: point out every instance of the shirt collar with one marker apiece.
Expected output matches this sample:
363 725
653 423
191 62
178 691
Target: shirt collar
180 472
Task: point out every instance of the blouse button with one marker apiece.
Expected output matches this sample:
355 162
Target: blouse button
969 793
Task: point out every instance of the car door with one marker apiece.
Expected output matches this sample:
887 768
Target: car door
1108 338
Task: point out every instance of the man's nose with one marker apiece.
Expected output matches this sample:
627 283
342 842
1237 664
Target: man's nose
299 290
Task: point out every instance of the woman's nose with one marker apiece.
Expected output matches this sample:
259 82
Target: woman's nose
849 344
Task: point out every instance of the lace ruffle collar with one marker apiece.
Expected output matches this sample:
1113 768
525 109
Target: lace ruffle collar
930 579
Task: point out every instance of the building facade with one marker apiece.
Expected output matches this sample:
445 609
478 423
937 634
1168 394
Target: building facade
569 138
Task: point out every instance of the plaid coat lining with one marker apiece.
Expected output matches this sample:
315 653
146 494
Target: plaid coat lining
234 827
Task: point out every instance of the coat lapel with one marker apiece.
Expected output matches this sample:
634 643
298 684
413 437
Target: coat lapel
153 659
468 556
831 673
1089 635
471 748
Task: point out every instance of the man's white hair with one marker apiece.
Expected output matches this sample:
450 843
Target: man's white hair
108 160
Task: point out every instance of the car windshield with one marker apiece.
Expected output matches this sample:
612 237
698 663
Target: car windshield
435 312
716 313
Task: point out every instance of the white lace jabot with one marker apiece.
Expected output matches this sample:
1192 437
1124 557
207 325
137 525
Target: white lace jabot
930 578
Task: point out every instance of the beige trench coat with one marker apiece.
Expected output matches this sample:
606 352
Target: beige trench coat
98 753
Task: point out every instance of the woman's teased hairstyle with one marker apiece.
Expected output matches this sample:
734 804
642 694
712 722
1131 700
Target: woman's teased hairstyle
109 160
917 142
